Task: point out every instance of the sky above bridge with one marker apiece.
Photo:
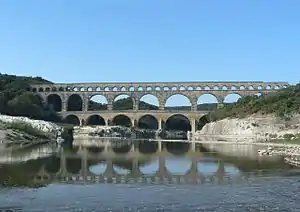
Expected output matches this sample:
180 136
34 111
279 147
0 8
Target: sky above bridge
133 40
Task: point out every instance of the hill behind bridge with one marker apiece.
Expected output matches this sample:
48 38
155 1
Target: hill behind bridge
283 103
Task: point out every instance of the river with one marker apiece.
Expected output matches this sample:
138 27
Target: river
144 176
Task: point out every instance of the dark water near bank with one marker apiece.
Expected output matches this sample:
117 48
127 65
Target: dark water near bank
144 176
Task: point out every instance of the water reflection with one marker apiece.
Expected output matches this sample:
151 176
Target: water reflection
126 162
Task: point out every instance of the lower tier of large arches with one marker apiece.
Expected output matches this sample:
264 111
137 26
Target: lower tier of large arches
171 122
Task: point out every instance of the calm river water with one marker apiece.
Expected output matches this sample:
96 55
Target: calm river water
144 176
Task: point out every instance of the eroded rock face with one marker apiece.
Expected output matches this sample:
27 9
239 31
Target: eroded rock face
252 128
44 126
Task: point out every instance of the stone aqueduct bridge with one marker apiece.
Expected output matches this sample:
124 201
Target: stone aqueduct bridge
61 94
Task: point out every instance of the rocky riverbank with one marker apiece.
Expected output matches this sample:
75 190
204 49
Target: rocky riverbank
252 129
15 130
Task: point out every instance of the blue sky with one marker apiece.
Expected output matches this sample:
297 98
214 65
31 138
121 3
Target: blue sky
157 40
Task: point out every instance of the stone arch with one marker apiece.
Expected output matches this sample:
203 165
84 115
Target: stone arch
98 89
61 89
207 101
149 88
53 89
166 88
177 148
95 120
47 89
178 101
55 102
140 89
198 88
72 119
148 102
82 89
182 88
148 122
123 89
106 89
115 89
73 165
178 122
97 102
147 147
123 102
89 89
216 88
75 89
74 103
242 87
231 98
207 88
41 89
250 88
174 88
131 89
157 88
122 120
34 90
190 88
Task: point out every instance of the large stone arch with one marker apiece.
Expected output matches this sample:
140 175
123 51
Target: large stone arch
55 102
72 119
122 120
148 101
125 103
75 103
174 97
95 120
207 101
97 102
178 122
148 122
232 98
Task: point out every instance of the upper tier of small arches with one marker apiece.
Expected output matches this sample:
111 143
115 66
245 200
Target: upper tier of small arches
154 88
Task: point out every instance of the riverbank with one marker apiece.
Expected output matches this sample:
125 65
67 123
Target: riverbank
254 128
22 131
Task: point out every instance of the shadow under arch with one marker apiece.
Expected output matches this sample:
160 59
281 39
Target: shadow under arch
122 149
72 119
178 122
74 103
122 120
148 122
148 147
177 148
55 102
53 165
95 150
95 120
73 165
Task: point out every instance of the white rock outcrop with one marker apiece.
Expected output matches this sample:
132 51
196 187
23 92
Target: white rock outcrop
44 126
252 128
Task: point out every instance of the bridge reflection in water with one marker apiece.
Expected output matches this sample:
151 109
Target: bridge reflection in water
139 162
125 161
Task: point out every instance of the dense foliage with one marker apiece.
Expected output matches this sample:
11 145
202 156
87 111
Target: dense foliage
16 100
284 103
